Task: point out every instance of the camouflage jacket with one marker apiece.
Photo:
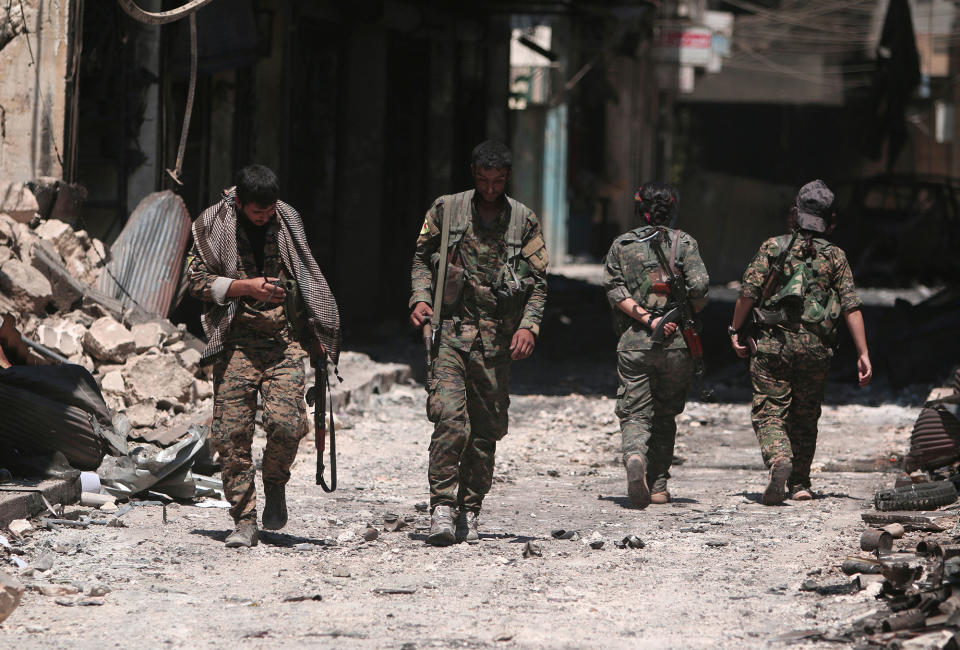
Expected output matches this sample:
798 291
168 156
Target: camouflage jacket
253 319
484 255
829 284
632 268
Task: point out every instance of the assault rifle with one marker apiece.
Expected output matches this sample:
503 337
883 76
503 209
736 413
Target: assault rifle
751 329
317 396
681 314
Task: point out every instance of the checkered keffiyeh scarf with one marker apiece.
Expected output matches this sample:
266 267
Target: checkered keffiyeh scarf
215 236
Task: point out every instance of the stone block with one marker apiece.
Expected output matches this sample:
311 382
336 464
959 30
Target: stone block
142 415
61 235
26 287
147 335
202 389
7 229
113 383
108 340
158 377
11 590
18 201
190 359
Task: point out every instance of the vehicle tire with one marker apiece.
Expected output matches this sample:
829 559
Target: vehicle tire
920 496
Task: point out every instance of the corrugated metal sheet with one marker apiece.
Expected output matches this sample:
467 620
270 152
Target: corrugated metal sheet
147 257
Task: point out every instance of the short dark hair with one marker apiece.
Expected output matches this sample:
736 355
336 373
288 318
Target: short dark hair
257 184
491 155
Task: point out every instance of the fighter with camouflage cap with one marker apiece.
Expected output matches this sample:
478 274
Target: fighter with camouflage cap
654 378
808 287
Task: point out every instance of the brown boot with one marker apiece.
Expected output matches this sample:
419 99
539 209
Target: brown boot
776 491
660 498
800 493
244 535
637 488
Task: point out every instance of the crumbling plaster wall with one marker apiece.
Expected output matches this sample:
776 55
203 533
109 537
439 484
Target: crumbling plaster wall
33 68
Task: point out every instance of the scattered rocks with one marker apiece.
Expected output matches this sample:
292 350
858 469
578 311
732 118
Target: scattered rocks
19 526
18 201
532 549
147 335
27 287
11 590
370 534
158 377
108 340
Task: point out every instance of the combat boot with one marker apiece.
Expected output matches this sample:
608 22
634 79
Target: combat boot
776 491
660 498
244 535
637 488
800 493
275 510
467 527
441 527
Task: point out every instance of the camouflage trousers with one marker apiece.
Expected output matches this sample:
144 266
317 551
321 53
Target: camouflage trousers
787 393
468 400
273 370
652 392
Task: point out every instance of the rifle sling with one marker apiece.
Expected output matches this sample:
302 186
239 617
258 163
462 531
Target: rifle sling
441 269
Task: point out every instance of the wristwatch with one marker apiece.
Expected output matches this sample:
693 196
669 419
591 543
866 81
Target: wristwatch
731 331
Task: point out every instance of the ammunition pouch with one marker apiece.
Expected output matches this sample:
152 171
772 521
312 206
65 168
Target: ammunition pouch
512 289
453 284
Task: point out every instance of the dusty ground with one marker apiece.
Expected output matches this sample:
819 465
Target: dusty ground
718 569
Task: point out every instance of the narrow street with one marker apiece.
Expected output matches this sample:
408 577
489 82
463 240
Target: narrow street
718 568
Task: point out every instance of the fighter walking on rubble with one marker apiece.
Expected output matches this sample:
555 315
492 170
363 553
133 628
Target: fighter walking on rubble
652 276
801 284
247 249
492 299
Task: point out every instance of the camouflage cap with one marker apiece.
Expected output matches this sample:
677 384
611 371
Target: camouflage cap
813 200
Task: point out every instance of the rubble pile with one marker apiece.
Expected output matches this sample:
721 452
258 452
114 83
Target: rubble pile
147 368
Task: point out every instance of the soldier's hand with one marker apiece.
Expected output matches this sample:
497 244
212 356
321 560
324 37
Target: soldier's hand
864 370
264 289
742 351
522 344
421 314
668 329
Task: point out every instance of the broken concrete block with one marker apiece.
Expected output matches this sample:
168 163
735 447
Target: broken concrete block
61 235
97 254
190 359
147 335
62 336
142 415
44 189
11 590
5 254
113 383
18 201
158 377
19 526
7 232
202 389
108 340
26 286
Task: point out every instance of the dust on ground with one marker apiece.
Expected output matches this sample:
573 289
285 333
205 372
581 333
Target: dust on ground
718 570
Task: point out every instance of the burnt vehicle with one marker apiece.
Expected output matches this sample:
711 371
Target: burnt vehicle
898 230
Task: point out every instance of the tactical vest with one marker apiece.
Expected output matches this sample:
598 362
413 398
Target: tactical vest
516 280
801 301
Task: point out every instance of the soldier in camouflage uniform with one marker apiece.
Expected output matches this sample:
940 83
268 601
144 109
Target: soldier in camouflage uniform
795 338
258 353
654 378
492 307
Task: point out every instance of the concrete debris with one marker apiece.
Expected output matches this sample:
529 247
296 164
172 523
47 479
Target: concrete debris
108 340
159 378
27 288
147 335
19 526
11 590
142 416
18 201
